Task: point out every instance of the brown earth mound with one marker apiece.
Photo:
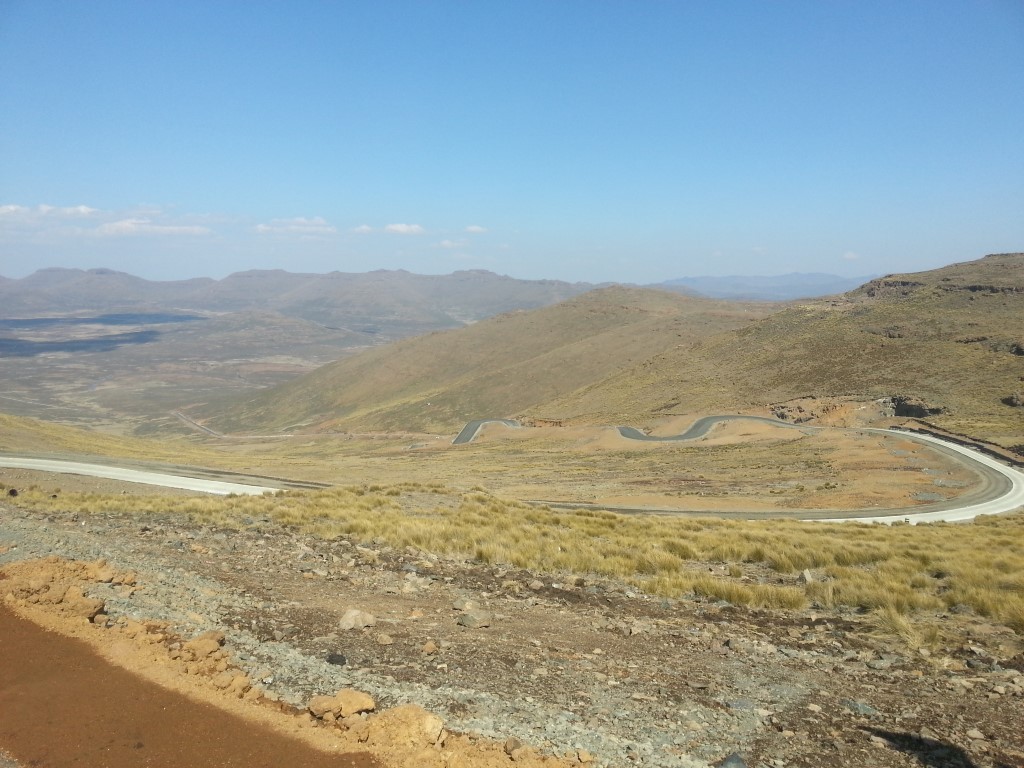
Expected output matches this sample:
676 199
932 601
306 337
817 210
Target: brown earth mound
79 688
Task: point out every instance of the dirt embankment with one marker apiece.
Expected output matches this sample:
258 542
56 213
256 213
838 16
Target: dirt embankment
185 701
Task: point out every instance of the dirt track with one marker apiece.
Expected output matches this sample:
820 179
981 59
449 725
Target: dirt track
62 704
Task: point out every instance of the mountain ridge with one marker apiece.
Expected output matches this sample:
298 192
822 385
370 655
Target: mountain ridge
950 339
793 285
392 303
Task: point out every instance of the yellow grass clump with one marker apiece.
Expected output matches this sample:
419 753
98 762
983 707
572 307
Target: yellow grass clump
896 571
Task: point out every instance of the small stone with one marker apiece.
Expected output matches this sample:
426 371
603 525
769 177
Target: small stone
474 619
77 604
814 707
356 619
735 760
975 735
432 727
383 639
465 604
536 585
320 705
352 702
859 708
429 648
806 577
223 680
205 645
512 744
738 645
584 756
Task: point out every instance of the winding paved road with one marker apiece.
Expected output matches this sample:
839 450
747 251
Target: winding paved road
469 432
1001 488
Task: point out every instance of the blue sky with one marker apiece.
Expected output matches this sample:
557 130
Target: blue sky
632 141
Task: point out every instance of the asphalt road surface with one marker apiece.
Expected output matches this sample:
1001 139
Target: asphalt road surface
1001 488
219 487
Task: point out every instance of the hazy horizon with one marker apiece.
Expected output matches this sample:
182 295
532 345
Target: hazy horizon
609 142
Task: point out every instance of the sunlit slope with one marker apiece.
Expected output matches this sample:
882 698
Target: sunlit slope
20 436
951 337
499 366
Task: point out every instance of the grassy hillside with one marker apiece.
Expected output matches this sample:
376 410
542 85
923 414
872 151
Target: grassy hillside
21 436
499 366
952 338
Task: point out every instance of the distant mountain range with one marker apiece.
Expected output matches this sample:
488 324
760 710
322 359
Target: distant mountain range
796 285
391 304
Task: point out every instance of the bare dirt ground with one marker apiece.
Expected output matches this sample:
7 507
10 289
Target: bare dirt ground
583 670
114 718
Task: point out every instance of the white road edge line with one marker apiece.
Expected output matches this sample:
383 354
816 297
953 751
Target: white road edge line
1008 502
217 487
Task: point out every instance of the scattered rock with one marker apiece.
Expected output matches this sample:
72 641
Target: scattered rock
356 619
203 646
735 760
474 619
77 604
859 708
465 604
407 721
344 703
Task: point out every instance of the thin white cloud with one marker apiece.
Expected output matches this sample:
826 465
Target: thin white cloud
300 225
362 229
451 244
140 226
404 229
74 211
851 256
476 229
50 211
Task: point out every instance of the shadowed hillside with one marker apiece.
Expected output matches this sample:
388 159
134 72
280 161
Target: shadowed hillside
950 342
499 366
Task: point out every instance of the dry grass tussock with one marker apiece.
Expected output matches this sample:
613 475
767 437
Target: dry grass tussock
896 571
